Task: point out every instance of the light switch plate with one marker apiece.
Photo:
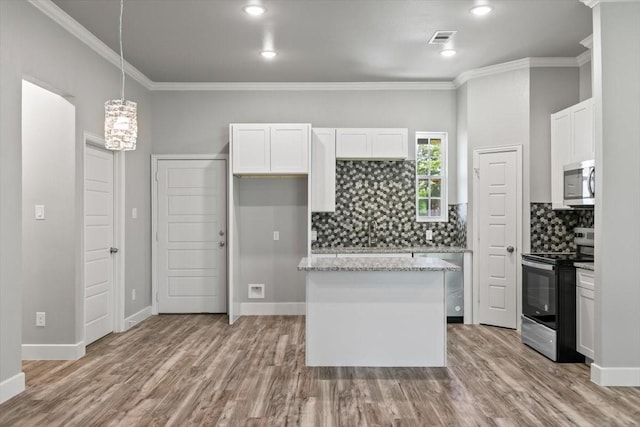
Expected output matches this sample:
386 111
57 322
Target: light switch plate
134 213
39 211
314 235
276 235
428 235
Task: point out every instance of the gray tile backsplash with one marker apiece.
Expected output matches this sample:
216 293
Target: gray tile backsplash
384 192
552 230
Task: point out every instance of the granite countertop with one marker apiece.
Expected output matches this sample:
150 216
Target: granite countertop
388 249
376 264
585 265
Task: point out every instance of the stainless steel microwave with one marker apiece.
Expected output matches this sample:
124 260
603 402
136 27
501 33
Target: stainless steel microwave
580 184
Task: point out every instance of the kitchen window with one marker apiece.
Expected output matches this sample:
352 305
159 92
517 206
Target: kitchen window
431 177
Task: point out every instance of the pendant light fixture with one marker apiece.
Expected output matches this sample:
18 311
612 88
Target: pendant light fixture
120 115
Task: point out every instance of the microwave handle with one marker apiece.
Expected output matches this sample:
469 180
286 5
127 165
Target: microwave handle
591 181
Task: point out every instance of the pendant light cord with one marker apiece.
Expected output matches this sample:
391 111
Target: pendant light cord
121 54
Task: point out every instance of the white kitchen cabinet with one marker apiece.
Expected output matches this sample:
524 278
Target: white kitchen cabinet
264 149
572 141
389 144
582 125
585 312
372 144
251 148
323 170
353 143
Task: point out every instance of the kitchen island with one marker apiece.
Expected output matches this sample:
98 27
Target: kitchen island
386 311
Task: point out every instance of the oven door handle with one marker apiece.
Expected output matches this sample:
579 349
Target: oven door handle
538 265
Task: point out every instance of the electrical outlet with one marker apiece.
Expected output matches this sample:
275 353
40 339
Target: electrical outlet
314 235
428 235
41 318
134 214
133 294
276 235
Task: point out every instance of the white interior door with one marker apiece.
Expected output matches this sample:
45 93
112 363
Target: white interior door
192 236
98 240
497 237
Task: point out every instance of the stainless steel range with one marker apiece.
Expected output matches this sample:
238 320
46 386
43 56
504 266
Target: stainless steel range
549 299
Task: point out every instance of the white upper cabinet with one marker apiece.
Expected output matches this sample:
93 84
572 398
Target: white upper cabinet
290 149
251 148
353 143
264 149
560 155
323 170
583 141
390 144
372 144
572 141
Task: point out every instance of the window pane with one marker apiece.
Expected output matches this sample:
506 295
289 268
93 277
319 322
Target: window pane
423 166
435 208
435 166
423 188
423 207
435 187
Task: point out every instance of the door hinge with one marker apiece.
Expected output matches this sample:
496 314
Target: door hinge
157 298
156 236
156 176
477 171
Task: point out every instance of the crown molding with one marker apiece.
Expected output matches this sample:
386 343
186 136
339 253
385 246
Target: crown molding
58 15
584 57
300 86
594 3
587 42
519 64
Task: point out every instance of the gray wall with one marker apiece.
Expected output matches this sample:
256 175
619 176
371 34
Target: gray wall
585 81
267 205
551 90
202 122
48 178
498 114
616 90
33 45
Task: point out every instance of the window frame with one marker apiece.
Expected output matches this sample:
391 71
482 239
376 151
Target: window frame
443 176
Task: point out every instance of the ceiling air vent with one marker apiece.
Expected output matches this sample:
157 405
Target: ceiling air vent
442 37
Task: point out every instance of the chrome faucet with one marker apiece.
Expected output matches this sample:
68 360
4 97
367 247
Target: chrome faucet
373 232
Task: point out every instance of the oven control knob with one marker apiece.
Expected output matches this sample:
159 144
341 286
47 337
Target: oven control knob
510 249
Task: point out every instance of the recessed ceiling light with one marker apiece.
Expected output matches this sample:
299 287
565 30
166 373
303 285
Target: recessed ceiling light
269 54
447 52
481 10
254 9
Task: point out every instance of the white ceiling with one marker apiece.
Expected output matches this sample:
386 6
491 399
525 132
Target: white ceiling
329 40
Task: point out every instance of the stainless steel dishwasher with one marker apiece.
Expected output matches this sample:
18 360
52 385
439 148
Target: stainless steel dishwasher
454 281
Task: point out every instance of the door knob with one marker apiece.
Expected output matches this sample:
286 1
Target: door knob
510 249
221 244
113 250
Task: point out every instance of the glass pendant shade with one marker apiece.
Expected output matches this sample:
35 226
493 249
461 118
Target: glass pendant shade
120 125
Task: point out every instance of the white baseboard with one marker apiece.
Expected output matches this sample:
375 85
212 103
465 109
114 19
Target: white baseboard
136 318
273 308
11 387
615 377
53 351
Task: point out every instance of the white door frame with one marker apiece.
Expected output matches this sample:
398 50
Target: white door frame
119 217
476 232
154 214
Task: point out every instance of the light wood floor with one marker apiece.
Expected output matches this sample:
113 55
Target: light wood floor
196 370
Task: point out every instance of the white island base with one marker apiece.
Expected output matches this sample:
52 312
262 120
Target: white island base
376 318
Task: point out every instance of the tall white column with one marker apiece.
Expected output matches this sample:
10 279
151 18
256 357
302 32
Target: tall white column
616 92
